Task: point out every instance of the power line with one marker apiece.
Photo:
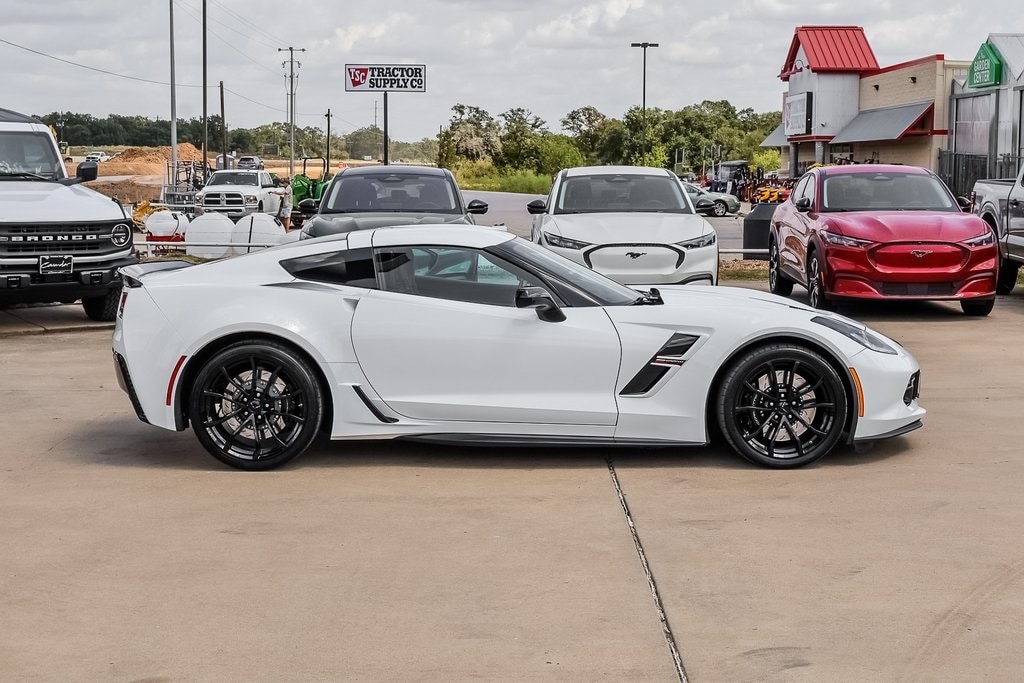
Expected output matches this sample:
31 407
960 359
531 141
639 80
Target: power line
189 11
252 25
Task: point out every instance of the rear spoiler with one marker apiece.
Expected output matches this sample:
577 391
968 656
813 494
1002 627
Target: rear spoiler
133 274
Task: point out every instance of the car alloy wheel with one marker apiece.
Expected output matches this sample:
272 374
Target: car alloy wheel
816 284
777 282
782 406
719 209
256 405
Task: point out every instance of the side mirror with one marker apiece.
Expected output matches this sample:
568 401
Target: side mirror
803 204
538 299
965 203
87 170
537 206
476 206
309 206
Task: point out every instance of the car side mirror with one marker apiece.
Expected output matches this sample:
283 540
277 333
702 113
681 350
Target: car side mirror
537 206
476 206
803 204
309 206
86 171
538 299
965 203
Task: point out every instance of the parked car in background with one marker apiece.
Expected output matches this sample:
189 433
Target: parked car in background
251 162
459 334
713 203
238 193
382 196
880 232
634 224
1000 203
97 156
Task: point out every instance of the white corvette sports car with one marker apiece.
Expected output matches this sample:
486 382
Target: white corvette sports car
465 334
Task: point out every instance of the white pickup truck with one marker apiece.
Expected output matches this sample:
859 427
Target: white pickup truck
238 193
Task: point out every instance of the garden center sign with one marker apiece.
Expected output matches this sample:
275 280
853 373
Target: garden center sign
986 69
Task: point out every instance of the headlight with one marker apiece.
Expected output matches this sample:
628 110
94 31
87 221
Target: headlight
564 242
698 242
843 240
251 199
981 240
121 235
861 335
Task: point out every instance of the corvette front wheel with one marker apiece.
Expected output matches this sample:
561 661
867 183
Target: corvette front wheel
256 405
782 406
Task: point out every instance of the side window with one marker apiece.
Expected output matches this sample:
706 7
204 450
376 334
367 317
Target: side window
798 191
350 267
453 273
811 187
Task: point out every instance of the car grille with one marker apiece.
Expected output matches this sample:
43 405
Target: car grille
223 200
38 239
913 388
918 288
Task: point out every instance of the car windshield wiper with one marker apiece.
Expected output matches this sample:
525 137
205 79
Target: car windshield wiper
650 298
24 174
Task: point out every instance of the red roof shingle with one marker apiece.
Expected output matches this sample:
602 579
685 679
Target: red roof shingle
830 48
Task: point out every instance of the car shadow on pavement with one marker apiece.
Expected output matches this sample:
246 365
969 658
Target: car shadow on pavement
114 444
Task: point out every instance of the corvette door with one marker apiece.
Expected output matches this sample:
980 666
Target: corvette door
443 340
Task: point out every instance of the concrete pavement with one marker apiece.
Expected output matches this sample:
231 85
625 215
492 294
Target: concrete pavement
127 553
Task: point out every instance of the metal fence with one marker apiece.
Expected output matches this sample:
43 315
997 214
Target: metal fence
960 171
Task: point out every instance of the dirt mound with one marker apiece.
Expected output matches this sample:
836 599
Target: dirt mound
158 155
127 191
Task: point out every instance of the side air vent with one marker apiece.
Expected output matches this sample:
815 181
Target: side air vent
669 355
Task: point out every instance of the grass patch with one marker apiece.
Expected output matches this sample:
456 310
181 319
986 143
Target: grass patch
482 175
743 269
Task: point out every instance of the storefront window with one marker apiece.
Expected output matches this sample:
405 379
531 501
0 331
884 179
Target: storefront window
973 123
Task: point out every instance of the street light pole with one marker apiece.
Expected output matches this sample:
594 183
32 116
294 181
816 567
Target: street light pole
643 101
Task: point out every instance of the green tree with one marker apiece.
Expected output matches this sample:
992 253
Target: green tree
471 134
365 142
519 148
555 152
586 125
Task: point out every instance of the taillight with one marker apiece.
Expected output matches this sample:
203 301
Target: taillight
120 306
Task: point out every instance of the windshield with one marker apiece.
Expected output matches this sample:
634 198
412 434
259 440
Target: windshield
391 192
28 153
886 191
605 291
230 178
621 192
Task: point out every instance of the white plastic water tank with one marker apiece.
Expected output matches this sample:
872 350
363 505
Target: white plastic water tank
166 223
256 228
210 227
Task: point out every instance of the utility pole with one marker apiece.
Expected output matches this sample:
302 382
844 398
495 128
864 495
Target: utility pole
206 124
174 112
643 97
291 103
328 115
223 127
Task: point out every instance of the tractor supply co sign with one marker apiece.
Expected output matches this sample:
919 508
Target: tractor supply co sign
385 78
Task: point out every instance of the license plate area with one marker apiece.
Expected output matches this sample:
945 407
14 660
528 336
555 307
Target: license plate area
56 264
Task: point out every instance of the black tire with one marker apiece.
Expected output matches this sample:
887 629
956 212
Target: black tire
259 208
782 406
226 405
719 209
777 282
816 292
103 308
978 308
1007 278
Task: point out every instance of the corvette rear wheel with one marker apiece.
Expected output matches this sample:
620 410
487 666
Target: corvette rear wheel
782 406
256 405
777 282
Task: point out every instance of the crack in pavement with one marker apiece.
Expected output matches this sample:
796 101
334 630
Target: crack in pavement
666 629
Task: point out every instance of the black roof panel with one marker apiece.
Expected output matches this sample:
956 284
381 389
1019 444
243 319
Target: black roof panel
8 116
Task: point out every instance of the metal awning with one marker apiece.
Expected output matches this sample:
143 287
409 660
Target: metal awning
777 138
889 123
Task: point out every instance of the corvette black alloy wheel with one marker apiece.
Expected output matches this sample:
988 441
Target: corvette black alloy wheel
255 405
782 406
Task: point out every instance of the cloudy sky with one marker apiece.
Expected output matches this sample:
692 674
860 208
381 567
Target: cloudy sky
548 56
